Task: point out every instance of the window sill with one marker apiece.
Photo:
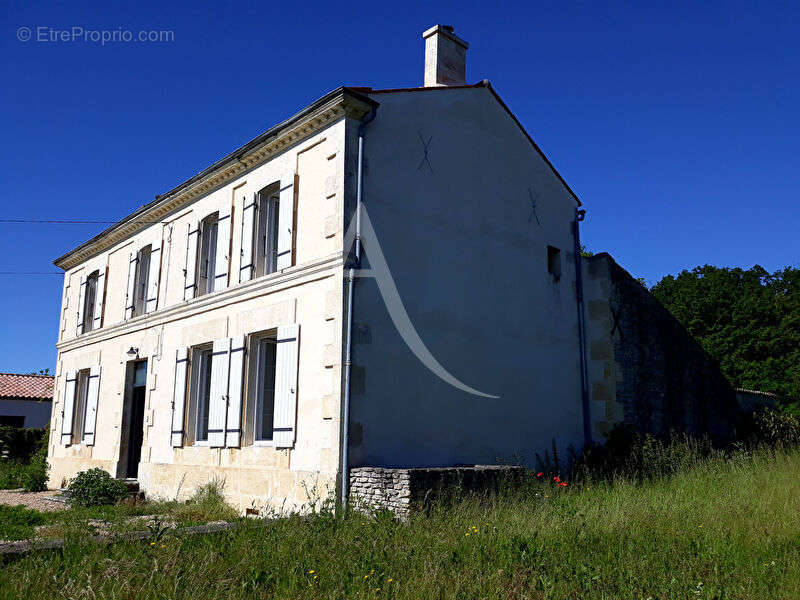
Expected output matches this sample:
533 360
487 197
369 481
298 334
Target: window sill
263 443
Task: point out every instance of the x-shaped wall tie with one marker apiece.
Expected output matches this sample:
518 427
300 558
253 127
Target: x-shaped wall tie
533 207
425 148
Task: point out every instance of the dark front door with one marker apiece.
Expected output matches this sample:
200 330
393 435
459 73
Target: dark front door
136 418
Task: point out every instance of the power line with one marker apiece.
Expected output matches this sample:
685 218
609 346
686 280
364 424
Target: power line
71 222
30 273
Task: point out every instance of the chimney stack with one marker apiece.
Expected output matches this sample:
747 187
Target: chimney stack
445 57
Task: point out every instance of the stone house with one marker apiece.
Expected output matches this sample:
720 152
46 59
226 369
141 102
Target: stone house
387 279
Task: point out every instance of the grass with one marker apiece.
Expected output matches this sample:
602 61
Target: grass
17 522
725 528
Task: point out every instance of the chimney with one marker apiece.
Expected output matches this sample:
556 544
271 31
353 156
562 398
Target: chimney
445 57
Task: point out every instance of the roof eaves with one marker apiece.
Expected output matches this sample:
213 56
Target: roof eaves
273 132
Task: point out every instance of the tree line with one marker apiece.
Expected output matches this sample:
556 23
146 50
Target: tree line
747 320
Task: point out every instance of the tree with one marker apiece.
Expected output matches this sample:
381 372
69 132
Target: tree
747 320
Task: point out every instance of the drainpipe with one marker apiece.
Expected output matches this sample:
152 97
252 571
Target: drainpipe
587 421
349 331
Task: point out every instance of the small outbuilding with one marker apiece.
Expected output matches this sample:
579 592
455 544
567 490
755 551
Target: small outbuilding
25 400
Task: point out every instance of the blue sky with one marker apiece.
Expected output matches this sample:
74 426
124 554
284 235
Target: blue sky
676 125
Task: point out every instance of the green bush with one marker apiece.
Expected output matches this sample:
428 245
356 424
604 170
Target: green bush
11 474
34 478
31 475
96 487
776 428
20 444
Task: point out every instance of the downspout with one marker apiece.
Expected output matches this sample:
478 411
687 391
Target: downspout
349 332
576 234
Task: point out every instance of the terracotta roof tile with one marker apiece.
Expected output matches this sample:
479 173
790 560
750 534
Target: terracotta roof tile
14 385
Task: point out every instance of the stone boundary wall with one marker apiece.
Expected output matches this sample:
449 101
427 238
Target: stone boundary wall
403 491
645 369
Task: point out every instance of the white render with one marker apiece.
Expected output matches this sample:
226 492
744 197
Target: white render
307 295
449 178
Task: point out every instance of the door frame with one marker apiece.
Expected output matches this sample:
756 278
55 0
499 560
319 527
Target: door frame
126 418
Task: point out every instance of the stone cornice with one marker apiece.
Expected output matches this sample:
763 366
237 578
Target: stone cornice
291 277
327 110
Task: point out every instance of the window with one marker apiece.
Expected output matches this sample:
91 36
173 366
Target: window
261 385
266 231
142 276
89 301
12 421
207 255
79 408
554 262
200 393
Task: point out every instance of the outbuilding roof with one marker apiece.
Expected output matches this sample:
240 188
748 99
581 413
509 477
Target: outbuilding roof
34 387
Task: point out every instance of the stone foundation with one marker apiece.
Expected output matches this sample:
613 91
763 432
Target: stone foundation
403 491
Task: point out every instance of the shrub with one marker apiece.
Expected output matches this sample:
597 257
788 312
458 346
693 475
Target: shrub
31 476
777 429
11 473
96 487
34 478
20 444
207 503
632 455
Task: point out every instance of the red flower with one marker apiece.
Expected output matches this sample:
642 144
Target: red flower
539 474
556 478
563 484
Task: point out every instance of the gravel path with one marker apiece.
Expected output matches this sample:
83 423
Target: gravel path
35 500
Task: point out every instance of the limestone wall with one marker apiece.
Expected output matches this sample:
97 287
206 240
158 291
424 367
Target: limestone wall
309 294
644 367
403 491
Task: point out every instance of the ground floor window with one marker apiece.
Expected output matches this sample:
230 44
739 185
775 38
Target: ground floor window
200 393
261 385
79 408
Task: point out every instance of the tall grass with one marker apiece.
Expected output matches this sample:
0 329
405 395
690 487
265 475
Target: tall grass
728 527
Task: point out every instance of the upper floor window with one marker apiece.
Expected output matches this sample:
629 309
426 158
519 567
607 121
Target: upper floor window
554 262
266 231
89 301
207 254
141 280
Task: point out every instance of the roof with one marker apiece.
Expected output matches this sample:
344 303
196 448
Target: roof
360 93
481 84
757 392
34 387
230 158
